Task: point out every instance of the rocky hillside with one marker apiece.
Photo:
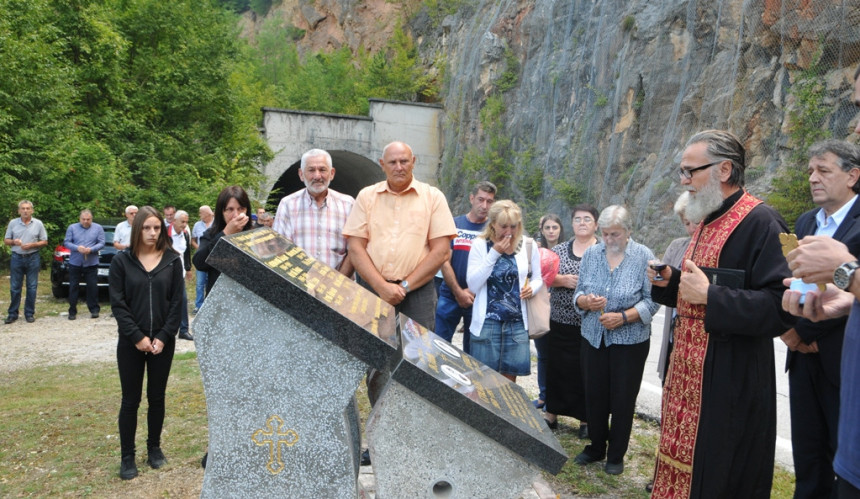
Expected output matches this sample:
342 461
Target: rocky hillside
594 99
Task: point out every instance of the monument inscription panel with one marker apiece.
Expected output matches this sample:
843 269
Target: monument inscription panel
334 306
476 395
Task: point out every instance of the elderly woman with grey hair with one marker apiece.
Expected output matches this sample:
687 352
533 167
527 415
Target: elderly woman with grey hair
614 298
674 256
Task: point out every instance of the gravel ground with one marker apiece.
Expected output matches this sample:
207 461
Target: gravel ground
57 340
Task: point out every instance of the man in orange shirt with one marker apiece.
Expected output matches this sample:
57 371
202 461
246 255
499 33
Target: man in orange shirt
399 233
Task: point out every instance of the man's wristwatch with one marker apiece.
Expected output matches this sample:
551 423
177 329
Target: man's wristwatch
405 285
844 273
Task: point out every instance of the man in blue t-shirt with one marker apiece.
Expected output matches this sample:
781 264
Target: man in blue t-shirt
455 298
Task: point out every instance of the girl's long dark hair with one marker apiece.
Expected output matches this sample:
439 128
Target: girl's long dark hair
143 214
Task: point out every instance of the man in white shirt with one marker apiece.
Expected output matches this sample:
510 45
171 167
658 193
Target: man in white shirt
178 232
206 218
314 217
122 232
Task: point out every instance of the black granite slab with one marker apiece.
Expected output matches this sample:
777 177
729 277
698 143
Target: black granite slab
475 394
335 307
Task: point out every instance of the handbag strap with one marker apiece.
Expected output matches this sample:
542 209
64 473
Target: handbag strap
529 255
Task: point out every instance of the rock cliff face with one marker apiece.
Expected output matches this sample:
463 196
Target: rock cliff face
607 91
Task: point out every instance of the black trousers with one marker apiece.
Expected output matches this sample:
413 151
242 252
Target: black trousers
814 402
613 376
846 490
91 278
132 364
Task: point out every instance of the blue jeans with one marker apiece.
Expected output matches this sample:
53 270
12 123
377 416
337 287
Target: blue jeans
448 315
91 278
24 265
504 347
202 276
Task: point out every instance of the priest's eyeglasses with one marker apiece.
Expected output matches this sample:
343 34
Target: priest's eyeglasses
688 172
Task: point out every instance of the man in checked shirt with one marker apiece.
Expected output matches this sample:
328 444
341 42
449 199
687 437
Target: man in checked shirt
314 217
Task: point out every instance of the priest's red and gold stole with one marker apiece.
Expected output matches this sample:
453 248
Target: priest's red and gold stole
682 394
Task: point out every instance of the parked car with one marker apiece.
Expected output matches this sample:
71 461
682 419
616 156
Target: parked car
60 265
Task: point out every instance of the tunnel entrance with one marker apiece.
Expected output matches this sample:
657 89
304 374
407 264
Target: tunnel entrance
352 173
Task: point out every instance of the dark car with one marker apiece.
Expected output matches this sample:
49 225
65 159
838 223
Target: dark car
60 265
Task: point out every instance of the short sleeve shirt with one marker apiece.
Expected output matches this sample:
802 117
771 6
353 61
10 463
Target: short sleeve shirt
316 229
28 233
399 226
503 290
122 233
562 308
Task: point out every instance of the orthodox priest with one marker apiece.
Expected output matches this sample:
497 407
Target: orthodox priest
719 402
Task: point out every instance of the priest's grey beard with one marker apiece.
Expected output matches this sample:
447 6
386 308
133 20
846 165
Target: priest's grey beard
704 202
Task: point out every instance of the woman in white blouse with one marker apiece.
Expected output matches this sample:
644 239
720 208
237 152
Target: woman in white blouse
498 274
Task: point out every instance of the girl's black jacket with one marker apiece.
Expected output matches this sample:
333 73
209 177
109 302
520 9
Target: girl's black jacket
146 304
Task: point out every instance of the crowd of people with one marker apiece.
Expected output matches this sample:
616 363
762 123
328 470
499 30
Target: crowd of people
724 286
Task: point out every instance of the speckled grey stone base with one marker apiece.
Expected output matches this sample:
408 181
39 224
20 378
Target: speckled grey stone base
267 377
415 447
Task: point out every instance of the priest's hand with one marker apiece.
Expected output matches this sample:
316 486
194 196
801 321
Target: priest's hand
694 285
816 257
830 304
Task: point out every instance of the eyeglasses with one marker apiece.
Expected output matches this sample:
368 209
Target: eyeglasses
579 220
688 172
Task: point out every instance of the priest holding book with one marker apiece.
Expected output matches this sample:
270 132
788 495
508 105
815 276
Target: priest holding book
718 431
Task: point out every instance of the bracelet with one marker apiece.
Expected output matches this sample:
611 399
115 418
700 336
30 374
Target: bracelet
624 316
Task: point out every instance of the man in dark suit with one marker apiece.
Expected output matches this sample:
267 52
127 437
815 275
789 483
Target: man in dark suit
815 348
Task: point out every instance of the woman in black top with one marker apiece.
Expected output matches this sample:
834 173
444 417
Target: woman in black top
232 215
146 283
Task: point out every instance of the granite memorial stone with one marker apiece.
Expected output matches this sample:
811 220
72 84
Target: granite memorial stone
283 342
473 431
280 367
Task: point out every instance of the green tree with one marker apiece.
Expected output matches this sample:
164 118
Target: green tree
108 102
394 72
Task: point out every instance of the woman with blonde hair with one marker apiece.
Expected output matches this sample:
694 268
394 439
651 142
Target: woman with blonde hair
498 274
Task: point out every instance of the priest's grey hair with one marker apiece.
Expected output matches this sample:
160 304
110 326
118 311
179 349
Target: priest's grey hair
723 144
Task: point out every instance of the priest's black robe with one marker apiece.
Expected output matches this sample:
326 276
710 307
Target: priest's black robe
736 438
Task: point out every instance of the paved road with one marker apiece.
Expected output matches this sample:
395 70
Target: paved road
648 402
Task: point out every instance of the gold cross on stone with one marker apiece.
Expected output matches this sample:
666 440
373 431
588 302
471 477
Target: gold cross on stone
274 437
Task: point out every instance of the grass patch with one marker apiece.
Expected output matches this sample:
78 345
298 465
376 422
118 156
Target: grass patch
591 480
58 430
58 434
